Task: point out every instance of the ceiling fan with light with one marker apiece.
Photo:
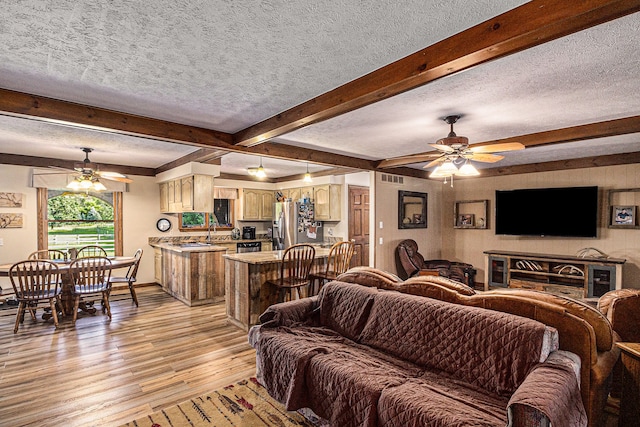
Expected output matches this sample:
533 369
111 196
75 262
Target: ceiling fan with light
454 154
88 175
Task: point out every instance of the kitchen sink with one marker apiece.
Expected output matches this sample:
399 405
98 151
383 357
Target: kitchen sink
193 245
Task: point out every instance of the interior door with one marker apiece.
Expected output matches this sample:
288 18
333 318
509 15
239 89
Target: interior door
359 224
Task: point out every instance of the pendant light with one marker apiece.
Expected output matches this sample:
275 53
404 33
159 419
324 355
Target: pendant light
307 176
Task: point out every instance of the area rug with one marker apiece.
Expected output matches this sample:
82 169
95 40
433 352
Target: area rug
245 403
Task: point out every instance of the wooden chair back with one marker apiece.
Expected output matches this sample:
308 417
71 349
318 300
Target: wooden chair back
132 272
90 275
340 257
51 254
34 280
296 265
91 251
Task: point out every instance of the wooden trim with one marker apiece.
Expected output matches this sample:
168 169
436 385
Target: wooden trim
118 223
42 196
524 27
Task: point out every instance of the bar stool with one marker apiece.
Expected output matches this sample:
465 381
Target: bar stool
294 271
337 263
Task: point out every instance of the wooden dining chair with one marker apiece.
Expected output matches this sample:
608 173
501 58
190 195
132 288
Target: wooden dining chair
91 276
51 254
130 277
295 267
337 263
36 281
91 251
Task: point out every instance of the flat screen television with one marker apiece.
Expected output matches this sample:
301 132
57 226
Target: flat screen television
564 212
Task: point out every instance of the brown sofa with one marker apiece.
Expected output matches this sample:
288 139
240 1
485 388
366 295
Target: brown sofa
622 308
583 329
409 263
357 356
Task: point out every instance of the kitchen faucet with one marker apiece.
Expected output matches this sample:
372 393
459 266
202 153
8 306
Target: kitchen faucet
208 240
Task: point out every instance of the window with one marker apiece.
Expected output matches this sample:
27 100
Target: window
222 217
79 219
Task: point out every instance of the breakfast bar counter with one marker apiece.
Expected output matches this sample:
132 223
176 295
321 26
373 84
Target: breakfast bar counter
247 294
192 272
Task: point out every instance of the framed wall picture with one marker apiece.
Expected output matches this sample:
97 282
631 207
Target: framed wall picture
623 216
10 200
466 220
412 209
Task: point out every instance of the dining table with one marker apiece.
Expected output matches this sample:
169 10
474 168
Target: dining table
66 297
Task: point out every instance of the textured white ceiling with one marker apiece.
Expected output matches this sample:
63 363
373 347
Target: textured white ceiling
226 65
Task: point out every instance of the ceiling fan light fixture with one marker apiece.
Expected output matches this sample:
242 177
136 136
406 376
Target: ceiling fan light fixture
98 186
448 168
258 172
468 170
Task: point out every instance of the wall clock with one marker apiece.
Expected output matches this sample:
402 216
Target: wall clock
163 224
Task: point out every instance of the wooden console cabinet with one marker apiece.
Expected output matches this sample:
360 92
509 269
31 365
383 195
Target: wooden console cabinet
571 276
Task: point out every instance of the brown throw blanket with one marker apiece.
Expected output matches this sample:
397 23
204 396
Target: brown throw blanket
562 409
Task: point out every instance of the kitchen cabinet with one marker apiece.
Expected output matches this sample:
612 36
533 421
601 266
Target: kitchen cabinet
192 193
164 197
174 195
157 264
572 276
257 205
327 200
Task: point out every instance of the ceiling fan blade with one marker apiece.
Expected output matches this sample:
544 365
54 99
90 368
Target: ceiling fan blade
107 174
407 160
116 178
434 163
443 148
65 170
485 157
497 148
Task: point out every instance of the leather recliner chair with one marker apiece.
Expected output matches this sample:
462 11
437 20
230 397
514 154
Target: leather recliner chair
409 263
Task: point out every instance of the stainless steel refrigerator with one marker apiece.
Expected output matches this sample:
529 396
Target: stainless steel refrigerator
293 223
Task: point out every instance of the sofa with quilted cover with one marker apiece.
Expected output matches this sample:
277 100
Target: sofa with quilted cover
583 330
359 356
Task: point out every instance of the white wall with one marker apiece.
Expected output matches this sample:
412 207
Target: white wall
18 243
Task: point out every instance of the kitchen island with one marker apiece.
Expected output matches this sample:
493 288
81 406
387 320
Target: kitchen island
245 274
192 272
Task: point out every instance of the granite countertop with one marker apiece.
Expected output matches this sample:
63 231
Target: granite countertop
267 257
190 247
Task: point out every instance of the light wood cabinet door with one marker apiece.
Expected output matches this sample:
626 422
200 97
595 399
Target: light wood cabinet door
186 190
164 197
251 204
157 270
174 191
327 202
295 194
202 193
267 199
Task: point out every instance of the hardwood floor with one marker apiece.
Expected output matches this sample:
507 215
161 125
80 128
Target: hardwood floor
103 373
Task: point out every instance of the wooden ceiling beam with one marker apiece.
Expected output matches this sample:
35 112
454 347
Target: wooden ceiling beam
203 155
21 104
45 162
558 165
603 129
524 27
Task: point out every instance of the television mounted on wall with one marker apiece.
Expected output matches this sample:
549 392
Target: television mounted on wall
561 212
